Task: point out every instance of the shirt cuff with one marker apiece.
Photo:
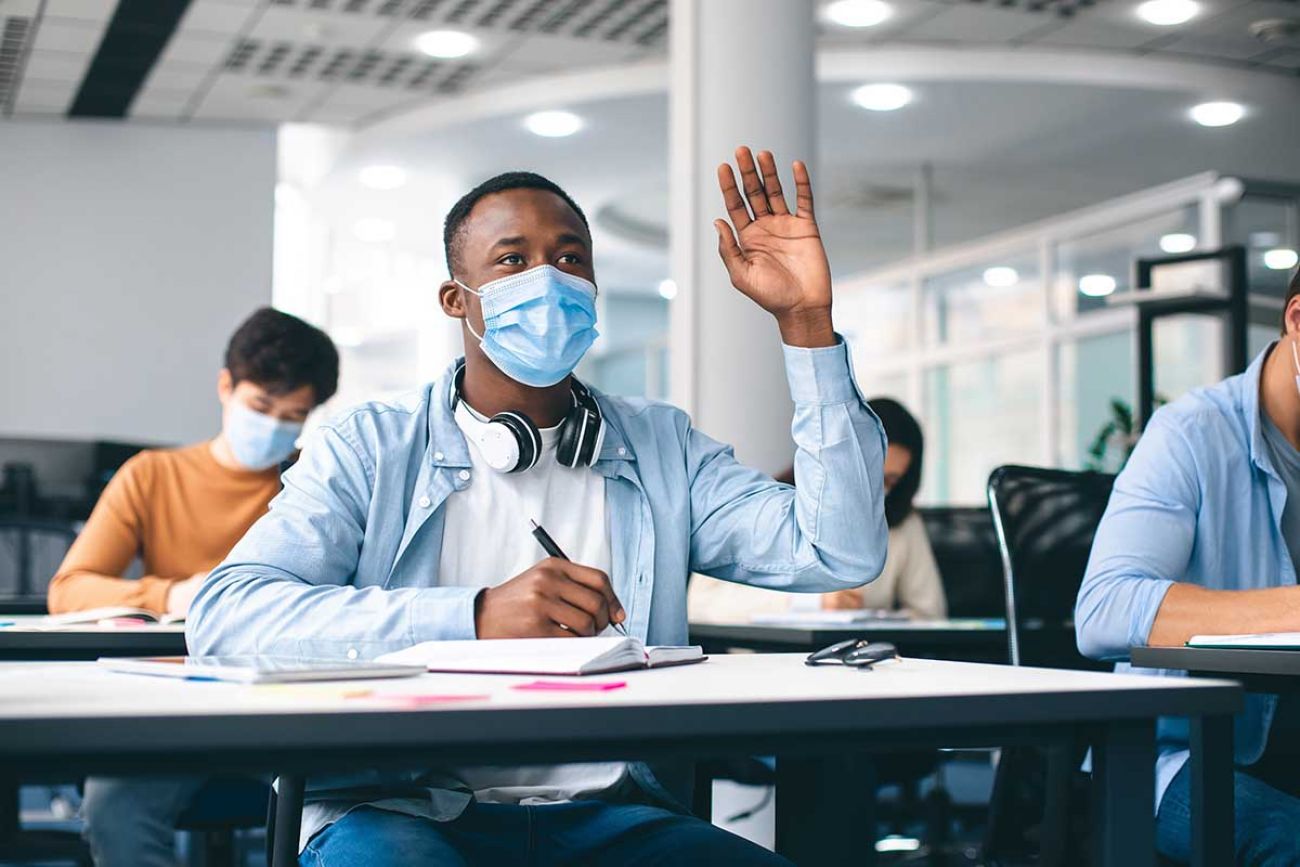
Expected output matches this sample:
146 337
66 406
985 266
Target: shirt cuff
820 376
444 614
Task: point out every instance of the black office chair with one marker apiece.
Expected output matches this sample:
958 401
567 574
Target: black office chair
31 550
1045 522
223 806
965 547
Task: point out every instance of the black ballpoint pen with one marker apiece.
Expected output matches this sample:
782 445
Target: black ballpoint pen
548 545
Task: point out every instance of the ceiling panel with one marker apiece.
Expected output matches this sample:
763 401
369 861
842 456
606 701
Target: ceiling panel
86 10
44 97
1085 32
212 16
205 49
68 35
57 65
158 104
1228 47
320 27
974 23
234 97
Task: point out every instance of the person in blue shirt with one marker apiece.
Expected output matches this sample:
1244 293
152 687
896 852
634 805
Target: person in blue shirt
1202 536
407 521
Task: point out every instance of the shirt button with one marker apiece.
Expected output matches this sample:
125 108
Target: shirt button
464 475
437 456
622 451
352 653
425 502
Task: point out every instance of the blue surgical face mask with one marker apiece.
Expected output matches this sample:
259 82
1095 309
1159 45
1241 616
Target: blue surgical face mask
537 324
258 441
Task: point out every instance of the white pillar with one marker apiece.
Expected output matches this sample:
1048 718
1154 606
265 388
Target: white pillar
742 73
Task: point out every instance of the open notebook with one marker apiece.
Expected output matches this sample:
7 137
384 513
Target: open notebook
1256 641
94 616
542 655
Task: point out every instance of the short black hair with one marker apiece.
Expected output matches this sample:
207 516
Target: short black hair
506 181
1291 293
282 353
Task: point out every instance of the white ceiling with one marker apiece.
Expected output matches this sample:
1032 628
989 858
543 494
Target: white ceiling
352 62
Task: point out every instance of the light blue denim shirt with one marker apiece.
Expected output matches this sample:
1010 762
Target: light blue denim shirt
345 563
1199 502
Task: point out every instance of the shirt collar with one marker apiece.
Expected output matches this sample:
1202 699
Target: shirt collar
447 444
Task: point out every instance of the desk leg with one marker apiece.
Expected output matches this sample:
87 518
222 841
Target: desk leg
1212 791
826 810
1124 762
288 820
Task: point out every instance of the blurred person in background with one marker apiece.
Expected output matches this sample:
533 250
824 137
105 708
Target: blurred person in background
910 581
180 511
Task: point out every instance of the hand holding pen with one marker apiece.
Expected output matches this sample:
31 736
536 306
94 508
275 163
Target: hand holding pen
548 545
552 599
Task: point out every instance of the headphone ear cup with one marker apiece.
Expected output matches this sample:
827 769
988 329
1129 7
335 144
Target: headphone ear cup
566 447
580 437
526 437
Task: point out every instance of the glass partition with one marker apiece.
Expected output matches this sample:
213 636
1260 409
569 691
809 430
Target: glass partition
998 297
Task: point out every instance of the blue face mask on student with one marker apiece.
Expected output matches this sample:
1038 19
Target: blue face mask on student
258 441
537 324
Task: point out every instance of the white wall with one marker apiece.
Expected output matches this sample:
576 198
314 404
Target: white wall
128 254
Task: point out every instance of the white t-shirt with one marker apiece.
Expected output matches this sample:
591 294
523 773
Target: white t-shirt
487 540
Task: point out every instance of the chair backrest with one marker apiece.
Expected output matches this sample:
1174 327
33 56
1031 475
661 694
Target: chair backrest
31 550
1045 522
965 547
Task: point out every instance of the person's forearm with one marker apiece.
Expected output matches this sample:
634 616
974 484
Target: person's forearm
1190 610
80 590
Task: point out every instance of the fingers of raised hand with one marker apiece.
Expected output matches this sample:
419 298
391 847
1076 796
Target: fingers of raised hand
752 184
772 183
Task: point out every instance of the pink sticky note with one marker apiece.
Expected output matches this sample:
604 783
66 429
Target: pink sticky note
411 701
572 685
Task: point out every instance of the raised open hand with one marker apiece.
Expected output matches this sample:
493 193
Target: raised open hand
778 259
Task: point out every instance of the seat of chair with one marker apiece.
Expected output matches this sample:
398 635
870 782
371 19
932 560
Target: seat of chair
226 802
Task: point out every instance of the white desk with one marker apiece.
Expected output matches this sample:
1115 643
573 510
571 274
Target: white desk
22 639
58 719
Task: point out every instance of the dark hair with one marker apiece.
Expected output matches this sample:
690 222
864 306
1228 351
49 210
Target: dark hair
281 353
902 430
451 227
1291 293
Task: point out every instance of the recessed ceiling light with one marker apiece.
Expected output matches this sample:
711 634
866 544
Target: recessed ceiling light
1178 242
1000 277
1218 113
553 124
382 177
668 288
858 13
374 230
1281 259
447 44
881 97
1096 285
1166 13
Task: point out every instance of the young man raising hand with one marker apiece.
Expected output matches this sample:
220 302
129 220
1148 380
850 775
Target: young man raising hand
408 521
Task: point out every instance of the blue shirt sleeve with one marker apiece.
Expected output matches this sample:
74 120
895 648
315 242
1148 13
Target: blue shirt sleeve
286 589
830 532
1143 545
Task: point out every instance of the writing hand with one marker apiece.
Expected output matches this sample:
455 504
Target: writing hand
554 598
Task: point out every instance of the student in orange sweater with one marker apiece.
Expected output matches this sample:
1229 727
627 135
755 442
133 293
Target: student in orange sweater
181 510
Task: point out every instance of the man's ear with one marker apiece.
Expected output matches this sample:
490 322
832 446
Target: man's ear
225 385
1291 317
453 303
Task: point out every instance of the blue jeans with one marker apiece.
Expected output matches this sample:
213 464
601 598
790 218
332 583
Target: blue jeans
1266 829
582 832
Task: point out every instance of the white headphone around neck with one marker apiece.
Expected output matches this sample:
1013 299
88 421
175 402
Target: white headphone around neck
511 443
